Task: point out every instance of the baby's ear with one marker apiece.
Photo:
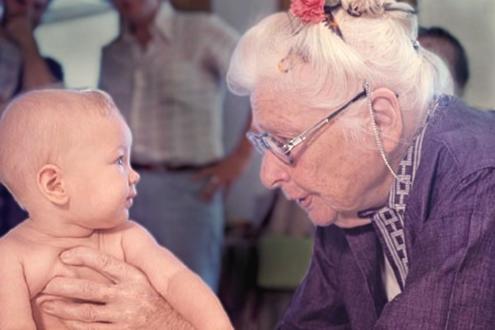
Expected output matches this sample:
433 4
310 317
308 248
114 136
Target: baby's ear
51 184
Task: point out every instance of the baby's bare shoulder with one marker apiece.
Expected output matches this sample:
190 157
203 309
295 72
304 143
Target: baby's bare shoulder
13 245
38 259
9 251
12 254
129 230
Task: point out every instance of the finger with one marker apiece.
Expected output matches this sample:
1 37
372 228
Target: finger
82 312
206 195
79 289
112 268
210 189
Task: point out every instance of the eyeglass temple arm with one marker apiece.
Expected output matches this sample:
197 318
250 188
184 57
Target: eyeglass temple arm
301 137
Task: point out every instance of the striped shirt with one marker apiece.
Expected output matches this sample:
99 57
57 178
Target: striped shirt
171 92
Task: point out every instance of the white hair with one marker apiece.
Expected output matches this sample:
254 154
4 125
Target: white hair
325 71
37 127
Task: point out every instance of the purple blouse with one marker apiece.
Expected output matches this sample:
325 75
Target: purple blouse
438 232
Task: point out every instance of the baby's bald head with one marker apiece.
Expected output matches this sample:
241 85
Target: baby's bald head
39 127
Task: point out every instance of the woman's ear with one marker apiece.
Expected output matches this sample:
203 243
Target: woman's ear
388 117
51 184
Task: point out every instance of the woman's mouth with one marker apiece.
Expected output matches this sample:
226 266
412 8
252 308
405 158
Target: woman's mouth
304 201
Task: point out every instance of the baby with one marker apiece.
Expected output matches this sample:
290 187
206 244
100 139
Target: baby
64 155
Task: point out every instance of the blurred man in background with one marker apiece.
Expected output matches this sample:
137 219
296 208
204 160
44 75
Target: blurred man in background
22 68
165 71
449 48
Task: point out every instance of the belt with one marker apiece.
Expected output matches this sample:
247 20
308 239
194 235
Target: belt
167 167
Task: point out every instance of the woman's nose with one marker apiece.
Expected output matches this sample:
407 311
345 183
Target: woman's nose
273 172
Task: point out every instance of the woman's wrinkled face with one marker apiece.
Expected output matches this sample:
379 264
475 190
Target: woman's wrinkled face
331 175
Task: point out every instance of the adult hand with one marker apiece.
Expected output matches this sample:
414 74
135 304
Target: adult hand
129 302
222 174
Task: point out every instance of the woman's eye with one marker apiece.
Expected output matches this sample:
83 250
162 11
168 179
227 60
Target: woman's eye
280 140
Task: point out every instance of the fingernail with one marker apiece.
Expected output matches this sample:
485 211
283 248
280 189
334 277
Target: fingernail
67 256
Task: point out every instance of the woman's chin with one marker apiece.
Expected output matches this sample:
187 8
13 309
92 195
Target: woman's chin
328 216
322 219
353 222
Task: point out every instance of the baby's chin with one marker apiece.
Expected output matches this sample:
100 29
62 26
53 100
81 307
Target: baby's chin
110 224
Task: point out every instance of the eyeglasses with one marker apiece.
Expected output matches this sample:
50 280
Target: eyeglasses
264 141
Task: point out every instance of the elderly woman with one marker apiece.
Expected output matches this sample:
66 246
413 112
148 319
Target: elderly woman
352 118
349 113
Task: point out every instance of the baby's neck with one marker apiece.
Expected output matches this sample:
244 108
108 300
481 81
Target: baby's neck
55 228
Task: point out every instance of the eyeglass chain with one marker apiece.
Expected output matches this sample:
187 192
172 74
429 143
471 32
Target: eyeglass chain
376 133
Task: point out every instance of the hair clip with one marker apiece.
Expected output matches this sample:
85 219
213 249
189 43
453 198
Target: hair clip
354 11
285 64
290 60
330 21
333 4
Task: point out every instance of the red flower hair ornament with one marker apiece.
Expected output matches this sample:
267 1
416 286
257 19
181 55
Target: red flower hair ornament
308 11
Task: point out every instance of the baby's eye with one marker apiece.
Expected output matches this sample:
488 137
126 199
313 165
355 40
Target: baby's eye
120 161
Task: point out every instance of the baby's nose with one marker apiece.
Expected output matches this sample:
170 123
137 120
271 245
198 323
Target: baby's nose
134 177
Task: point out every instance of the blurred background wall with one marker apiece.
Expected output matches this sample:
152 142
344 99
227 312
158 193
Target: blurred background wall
473 23
75 30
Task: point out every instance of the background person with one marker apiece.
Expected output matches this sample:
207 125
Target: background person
22 68
449 48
